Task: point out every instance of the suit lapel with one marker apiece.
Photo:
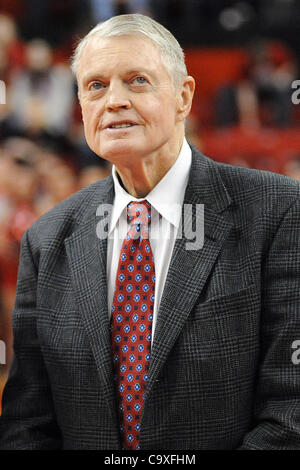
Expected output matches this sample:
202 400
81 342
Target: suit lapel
189 269
87 259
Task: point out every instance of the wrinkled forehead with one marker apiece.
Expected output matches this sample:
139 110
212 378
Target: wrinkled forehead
135 45
118 53
134 36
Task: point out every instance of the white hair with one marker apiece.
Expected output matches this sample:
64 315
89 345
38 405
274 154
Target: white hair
137 24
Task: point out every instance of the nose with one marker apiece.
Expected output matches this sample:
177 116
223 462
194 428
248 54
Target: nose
117 97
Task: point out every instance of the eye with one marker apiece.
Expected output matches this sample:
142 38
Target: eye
96 86
140 80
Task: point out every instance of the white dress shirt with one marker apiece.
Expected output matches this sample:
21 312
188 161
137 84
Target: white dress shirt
166 199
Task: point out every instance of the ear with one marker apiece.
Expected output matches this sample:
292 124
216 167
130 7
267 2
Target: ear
185 97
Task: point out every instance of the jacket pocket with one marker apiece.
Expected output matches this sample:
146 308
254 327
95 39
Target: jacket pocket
242 302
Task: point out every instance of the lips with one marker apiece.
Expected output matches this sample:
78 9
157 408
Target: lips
120 124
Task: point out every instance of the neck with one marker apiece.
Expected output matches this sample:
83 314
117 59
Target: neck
145 173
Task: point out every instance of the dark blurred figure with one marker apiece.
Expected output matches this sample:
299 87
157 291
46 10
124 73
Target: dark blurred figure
53 20
262 95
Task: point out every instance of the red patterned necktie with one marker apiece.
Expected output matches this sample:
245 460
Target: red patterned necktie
131 324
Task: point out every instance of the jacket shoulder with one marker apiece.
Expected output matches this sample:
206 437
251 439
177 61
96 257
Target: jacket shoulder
266 183
242 182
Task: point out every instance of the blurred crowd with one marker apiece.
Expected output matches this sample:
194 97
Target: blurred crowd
43 154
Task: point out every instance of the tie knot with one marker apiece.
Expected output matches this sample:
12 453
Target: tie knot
139 217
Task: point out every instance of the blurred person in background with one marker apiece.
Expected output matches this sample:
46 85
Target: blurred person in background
21 187
10 42
58 181
91 174
4 101
18 188
209 365
11 60
42 94
8 259
263 93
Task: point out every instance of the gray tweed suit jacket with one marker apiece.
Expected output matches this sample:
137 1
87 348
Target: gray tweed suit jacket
221 373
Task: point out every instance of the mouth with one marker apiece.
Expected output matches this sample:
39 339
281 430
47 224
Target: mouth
120 125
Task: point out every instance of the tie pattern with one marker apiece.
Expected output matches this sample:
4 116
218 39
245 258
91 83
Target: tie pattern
131 324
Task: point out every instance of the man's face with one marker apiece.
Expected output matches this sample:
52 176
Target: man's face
129 105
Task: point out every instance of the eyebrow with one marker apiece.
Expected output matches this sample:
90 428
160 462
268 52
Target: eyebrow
98 76
91 76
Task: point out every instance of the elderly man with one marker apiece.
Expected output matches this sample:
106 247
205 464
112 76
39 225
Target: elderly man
128 340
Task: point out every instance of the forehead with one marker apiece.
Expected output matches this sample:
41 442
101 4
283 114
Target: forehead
120 53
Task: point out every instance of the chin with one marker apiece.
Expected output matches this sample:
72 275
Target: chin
118 149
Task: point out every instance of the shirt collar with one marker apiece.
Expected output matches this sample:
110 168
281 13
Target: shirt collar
166 197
